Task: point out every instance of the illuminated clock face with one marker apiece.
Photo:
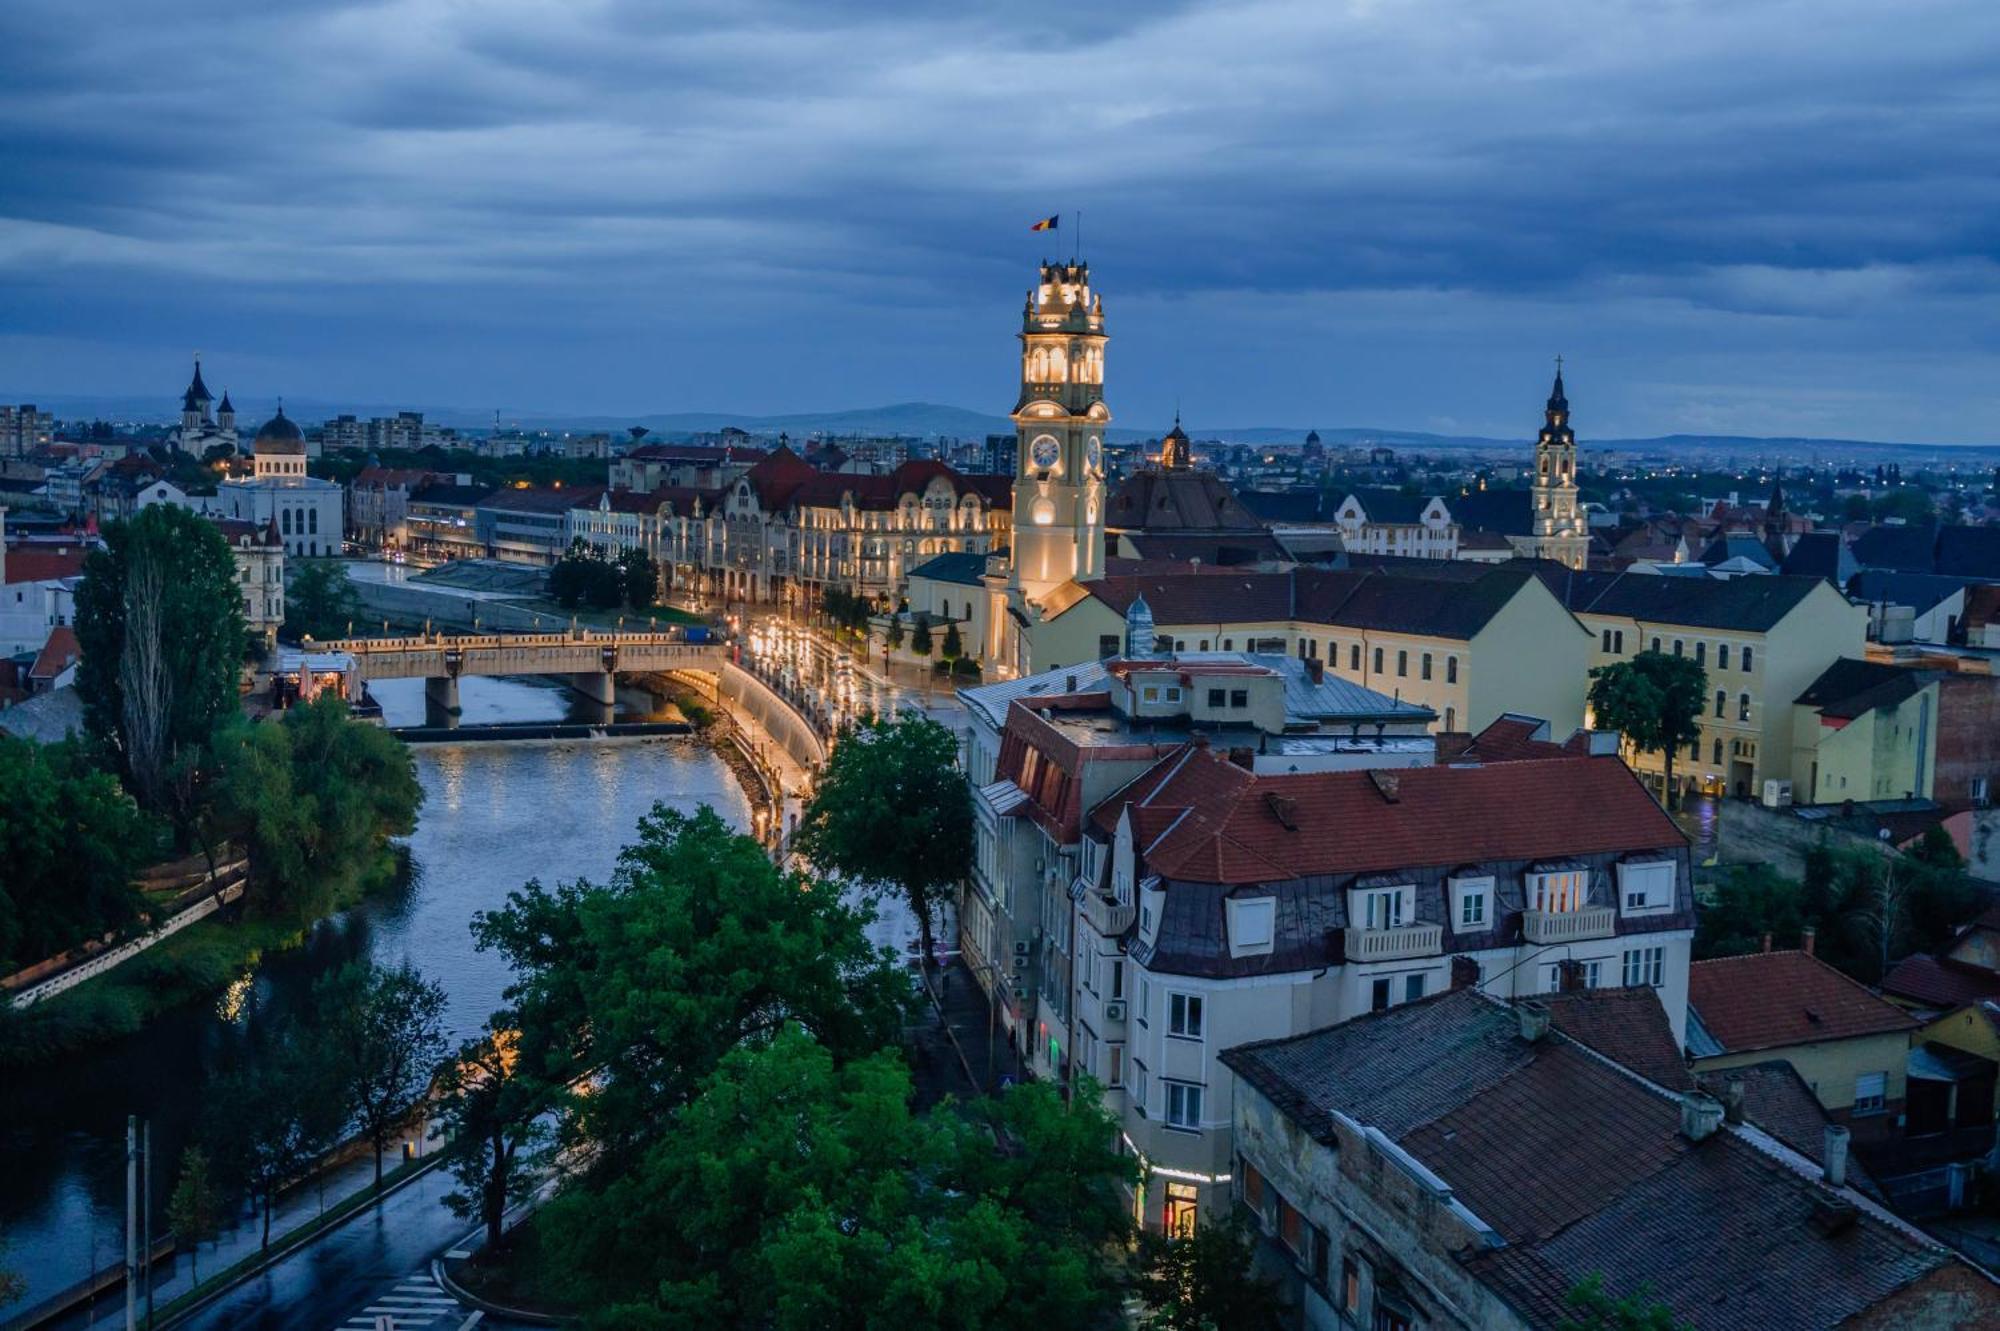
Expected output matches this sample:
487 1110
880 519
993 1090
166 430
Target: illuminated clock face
1045 451
1093 455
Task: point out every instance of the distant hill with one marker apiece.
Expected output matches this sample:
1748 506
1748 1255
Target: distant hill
920 419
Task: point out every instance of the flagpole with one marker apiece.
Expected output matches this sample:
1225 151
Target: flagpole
1079 235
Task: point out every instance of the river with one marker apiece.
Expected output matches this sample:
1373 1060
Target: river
494 816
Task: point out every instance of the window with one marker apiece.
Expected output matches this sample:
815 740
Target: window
1425 671
1107 645
1607 640
1251 921
1451 670
1450 718
1354 656
1216 696
1229 644
1559 891
1378 996
1151 693
1718 753
1383 908
1402 665
1871 1093
1378 660
1656 644
1746 658
1239 697
1184 1015
1388 1319
1618 641
1173 695
1645 965
1413 988
1140 1089
1145 999
1743 707
1291 1227
1677 647
1252 1186
1322 1256
1114 1065
1647 886
1350 1285
1183 1106
1701 653
1118 979
1472 909
312 521
1721 703
1722 656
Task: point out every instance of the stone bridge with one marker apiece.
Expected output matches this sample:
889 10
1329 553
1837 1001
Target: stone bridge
589 659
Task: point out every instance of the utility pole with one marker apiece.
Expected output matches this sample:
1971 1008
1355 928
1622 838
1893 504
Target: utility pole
147 1226
131 1222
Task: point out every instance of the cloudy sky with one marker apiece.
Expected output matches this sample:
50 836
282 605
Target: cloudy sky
1744 216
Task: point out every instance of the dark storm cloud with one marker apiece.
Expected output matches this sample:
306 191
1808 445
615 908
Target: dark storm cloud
1751 216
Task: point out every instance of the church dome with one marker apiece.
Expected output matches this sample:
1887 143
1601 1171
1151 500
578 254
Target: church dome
279 437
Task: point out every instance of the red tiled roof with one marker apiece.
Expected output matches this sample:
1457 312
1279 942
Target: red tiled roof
1343 822
1627 1026
32 565
1769 1000
1938 982
57 655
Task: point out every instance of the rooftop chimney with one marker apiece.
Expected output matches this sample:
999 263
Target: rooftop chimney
1732 1099
1701 1115
1315 670
1464 972
1833 1156
1767 942
1808 937
1244 757
1534 1020
1069 683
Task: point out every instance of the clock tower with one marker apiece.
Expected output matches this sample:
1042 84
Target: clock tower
1559 530
1060 418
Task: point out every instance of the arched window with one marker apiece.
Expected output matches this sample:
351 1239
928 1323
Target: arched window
1743 707
312 520
285 521
1718 753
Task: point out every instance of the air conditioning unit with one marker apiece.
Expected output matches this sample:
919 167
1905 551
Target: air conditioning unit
1114 1011
1777 794
1020 963
1021 947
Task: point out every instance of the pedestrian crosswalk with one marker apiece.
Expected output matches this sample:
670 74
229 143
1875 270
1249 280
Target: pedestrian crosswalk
416 1303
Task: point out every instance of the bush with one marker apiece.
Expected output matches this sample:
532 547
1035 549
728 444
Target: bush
965 667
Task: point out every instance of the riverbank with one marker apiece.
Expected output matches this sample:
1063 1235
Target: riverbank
198 964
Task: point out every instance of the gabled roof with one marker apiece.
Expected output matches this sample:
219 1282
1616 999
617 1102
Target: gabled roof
1955 551
1773 1000
1738 545
1579 1167
28 564
1748 605
1627 1026
1821 554
1383 505
58 654
1176 500
1940 981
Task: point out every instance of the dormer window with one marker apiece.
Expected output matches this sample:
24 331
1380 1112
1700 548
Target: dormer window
1252 925
1646 887
1559 891
1472 903
1382 907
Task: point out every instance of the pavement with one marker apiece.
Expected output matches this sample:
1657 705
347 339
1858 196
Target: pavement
981 1058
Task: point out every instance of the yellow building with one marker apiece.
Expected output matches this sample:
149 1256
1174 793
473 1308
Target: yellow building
1762 640
1865 731
1850 1046
1468 641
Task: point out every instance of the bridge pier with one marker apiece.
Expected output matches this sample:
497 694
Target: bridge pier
600 686
441 693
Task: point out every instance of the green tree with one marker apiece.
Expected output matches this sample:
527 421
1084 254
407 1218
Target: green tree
954 646
584 576
320 602
920 640
894 635
639 578
273 1117
316 796
1749 902
697 945
490 1114
385 1029
1592 1309
1205 1283
892 806
159 618
1654 700
194 1210
71 841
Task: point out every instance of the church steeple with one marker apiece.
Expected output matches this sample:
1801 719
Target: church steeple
1176 452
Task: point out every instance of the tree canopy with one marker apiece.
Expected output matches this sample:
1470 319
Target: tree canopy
385 1027
159 619
316 797
71 841
892 806
320 602
1204 1282
1655 700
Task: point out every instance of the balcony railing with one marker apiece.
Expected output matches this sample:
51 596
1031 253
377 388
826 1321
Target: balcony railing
1105 914
1409 940
1569 926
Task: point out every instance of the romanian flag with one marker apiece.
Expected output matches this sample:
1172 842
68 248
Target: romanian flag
1047 223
